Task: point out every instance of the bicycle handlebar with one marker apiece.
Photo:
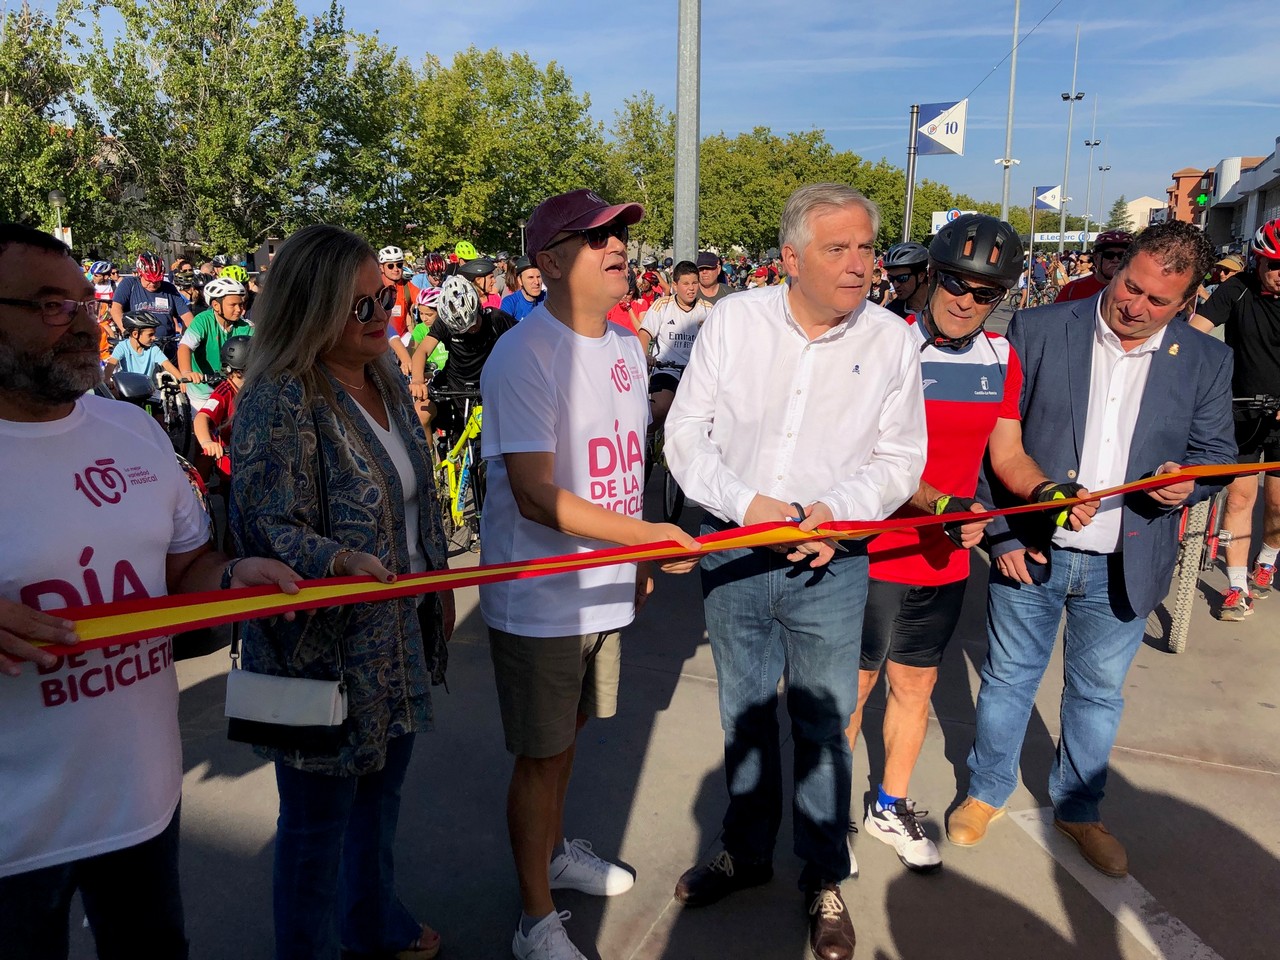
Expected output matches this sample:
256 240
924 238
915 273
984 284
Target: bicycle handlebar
454 394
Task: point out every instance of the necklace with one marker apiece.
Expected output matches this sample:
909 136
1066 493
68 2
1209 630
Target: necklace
349 386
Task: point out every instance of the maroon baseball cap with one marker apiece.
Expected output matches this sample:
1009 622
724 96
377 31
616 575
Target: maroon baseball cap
575 210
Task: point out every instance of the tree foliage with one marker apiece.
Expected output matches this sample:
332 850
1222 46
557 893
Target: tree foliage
1118 218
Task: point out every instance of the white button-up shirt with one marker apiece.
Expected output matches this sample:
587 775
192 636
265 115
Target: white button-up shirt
763 409
1117 379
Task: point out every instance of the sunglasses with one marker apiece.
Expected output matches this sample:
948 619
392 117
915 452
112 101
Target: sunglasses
394 266
1111 255
597 238
899 277
958 288
365 307
56 313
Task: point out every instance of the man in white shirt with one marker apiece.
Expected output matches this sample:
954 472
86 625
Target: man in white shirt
90 758
667 333
1115 390
801 402
565 412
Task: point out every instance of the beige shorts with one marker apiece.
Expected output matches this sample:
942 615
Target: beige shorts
545 682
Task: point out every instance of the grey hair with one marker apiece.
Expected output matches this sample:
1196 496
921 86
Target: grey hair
794 230
304 304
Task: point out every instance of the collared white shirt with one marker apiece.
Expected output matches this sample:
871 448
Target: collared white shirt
1117 379
762 409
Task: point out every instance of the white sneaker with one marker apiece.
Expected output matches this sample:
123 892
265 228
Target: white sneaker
853 861
898 827
548 940
580 869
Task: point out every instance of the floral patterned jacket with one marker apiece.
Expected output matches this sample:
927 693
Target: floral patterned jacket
389 665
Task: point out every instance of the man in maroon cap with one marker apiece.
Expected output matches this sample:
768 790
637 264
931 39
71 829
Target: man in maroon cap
565 416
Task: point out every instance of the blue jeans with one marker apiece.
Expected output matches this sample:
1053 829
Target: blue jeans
130 896
335 845
1100 642
765 617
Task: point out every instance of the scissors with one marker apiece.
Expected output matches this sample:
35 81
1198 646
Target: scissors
799 518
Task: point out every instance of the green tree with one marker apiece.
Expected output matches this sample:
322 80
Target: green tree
644 150
488 138
49 139
1118 218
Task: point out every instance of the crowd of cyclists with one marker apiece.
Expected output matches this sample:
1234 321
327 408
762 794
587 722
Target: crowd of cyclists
448 309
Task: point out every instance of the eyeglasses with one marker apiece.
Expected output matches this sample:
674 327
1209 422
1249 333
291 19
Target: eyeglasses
597 238
56 313
394 266
385 298
899 277
958 288
1267 264
1111 255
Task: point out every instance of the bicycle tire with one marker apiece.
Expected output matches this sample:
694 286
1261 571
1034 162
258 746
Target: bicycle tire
1187 576
672 497
177 424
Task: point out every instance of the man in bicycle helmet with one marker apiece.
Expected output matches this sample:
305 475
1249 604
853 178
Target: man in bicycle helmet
1108 251
1247 307
148 290
137 352
469 332
529 293
906 266
200 349
391 263
972 384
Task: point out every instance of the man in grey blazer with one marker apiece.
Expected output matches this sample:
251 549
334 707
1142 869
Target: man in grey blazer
1115 389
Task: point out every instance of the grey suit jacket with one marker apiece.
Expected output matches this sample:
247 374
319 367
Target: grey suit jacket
1185 417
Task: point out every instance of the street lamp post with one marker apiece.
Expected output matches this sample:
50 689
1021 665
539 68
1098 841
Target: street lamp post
1071 99
522 224
58 200
1102 182
1092 143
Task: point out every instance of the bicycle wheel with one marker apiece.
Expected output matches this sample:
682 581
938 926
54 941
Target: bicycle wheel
1187 576
672 497
443 498
177 424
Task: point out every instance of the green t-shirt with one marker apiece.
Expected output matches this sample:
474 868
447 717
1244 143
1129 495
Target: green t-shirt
205 337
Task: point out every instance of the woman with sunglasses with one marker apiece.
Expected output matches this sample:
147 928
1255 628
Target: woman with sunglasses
325 411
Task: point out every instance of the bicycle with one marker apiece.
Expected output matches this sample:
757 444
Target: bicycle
1201 536
461 473
673 498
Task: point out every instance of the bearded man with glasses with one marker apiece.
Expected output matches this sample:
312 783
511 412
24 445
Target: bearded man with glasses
1108 251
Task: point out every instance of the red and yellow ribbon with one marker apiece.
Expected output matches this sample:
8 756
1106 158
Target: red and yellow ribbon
108 624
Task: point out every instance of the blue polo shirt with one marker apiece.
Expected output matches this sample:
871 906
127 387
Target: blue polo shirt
519 306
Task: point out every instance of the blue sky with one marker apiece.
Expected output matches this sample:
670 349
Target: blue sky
1172 81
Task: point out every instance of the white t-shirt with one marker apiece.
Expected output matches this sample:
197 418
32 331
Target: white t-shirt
673 330
547 389
90 755
397 450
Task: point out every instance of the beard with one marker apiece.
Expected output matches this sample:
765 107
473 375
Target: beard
51 377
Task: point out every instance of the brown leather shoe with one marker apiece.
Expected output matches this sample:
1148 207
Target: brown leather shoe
831 934
711 882
968 823
1103 851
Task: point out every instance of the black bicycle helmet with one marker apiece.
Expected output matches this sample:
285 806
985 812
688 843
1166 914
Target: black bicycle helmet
979 245
906 255
477 269
235 353
139 320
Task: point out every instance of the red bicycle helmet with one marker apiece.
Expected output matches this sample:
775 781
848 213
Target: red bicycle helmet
435 264
1266 242
149 268
1113 238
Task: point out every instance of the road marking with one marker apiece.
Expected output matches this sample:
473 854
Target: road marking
1163 934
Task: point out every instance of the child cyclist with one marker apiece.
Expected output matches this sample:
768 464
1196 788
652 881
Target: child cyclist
212 425
138 353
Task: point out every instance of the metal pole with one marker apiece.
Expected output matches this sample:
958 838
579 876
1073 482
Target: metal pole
1007 160
1092 142
688 68
911 172
1031 251
1101 184
1066 164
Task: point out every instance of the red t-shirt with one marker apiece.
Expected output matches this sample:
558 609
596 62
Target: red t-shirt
220 408
621 314
965 393
1081 288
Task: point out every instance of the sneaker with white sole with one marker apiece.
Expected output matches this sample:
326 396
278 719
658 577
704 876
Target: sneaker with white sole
548 940
580 869
848 842
1261 580
1236 605
899 827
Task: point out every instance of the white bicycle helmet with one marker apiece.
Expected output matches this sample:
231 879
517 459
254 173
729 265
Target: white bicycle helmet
220 287
458 304
390 255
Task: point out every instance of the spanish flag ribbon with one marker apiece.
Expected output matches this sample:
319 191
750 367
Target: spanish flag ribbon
109 624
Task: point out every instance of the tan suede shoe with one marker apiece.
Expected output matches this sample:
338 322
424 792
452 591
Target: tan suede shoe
1103 851
968 823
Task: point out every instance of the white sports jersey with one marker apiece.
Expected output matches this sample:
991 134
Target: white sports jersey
674 329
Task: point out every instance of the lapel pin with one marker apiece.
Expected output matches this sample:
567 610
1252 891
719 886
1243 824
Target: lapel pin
1173 350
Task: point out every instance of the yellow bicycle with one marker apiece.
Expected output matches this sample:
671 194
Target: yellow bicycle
460 473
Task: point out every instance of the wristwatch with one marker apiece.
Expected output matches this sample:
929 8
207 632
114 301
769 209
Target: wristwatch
228 571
